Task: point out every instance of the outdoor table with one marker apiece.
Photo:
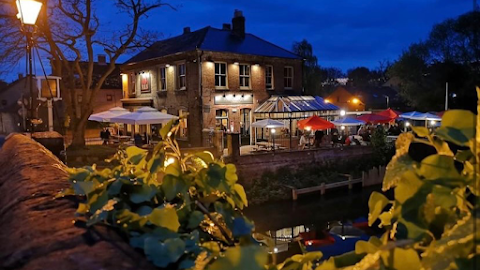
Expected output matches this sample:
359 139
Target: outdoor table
120 138
268 146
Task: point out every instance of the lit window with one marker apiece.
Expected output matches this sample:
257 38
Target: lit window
288 77
220 75
163 79
181 77
269 77
244 76
245 121
132 84
221 117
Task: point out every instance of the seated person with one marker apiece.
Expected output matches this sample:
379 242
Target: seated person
303 141
138 139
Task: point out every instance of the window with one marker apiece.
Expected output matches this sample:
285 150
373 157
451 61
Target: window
221 117
183 124
109 97
220 75
244 76
288 77
245 122
181 78
145 82
47 86
163 79
133 84
269 77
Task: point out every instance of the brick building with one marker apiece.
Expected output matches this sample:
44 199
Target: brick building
217 76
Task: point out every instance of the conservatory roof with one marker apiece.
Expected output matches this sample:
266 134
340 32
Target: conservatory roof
282 104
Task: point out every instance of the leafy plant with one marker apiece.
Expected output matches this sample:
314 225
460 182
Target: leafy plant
183 211
430 223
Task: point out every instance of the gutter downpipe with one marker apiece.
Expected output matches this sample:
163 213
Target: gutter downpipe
200 89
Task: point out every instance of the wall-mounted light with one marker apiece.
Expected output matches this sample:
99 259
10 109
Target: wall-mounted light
234 95
236 63
327 101
243 96
355 101
167 65
251 95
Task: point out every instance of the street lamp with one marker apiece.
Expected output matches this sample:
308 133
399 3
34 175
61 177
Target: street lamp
28 11
343 112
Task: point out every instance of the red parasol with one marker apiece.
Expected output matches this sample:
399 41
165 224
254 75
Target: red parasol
374 118
392 114
315 123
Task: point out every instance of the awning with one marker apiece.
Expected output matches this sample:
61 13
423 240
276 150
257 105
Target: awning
295 104
107 115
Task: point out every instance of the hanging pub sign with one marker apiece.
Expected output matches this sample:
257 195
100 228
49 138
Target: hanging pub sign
145 82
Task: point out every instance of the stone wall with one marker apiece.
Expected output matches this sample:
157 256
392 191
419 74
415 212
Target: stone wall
251 167
37 231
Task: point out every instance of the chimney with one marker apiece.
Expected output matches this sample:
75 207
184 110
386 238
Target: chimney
238 23
186 30
20 76
102 59
227 26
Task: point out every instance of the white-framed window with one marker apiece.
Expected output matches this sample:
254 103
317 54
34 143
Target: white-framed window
220 75
244 72
183 124
288 77
181 77
162 75
269 77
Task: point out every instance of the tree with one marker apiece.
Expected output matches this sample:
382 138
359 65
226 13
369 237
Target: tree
359 76
450 54
69 32
312 78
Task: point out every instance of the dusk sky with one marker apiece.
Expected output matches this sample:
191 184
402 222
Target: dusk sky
344 33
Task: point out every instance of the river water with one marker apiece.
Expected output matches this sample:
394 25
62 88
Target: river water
311 212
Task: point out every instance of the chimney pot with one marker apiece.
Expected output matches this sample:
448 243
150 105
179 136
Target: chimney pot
102 59
186 30
227 26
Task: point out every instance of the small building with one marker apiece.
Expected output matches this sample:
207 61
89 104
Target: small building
346 100
219 76
48 105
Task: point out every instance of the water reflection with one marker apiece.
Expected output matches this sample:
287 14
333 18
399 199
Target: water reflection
331 224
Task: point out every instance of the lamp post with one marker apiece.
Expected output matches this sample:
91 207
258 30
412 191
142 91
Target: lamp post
28 11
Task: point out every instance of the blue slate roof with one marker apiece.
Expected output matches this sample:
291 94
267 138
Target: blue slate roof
213 39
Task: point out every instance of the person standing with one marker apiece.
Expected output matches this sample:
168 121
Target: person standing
318 138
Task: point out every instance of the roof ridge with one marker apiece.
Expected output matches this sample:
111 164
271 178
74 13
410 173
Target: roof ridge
255 36
208 27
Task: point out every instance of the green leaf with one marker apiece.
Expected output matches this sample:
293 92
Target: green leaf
142 193
240 192
83 188
241 227
403 259
407 187
206 156
173 169
242 258
130 220
135 154
194 220
231 174
163 254
156 162
400 163
212 247
421 131
376 203
458 126
173 185
82 208
347 259
165 217
439 167
166 128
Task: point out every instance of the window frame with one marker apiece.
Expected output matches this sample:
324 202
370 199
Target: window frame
240 76
179 76
162 86
271 78
285 78
219 74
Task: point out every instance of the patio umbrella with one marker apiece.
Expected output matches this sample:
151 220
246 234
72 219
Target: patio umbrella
392 114
315 123
267 123
420 116
374 118
347 121
105 116
144 116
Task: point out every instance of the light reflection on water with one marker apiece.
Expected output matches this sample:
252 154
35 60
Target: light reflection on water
285 221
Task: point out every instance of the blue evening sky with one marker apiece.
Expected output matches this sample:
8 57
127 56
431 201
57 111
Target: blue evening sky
344 33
